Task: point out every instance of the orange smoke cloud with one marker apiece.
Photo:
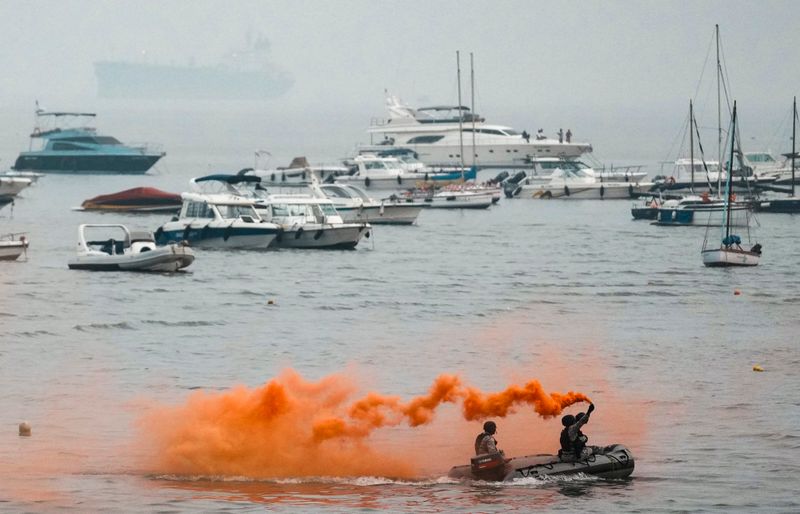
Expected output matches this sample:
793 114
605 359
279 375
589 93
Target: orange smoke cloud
290 427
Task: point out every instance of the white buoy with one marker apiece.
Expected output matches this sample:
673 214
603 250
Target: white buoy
24 429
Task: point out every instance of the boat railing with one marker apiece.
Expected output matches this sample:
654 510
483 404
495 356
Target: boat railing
626 170
378 122
14 236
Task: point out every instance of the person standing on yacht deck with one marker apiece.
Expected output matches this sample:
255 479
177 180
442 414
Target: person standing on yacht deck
561 135
569 135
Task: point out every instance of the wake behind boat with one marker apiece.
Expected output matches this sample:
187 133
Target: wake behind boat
126 251
616 461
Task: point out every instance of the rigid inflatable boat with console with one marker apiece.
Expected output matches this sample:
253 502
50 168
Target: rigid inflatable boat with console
616 461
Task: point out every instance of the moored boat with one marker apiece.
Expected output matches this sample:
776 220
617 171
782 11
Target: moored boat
615 462
126 251
138 199
76 148
12 246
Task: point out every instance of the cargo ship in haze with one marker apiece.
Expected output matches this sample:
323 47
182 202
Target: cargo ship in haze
242 75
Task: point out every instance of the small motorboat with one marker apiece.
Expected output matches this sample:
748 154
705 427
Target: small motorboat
12 246
616 461
126 251
138 199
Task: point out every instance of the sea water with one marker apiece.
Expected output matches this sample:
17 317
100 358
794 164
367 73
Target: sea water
573 293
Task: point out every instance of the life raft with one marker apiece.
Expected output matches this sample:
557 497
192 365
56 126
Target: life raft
615 461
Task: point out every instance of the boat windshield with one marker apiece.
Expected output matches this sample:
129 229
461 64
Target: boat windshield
563 165
328 209
289 209
759 157
336 192
236 211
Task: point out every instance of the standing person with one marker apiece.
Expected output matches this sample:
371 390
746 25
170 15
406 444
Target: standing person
526 136
560 135
485 442
569 135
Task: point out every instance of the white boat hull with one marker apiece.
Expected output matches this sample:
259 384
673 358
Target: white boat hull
391 214
725 257
11 250
589 191
461 200
331 237
216 235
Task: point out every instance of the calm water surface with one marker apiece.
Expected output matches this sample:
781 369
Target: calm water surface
574 293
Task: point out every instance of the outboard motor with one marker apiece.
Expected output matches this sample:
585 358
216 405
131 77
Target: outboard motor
489 466
511 187
499 178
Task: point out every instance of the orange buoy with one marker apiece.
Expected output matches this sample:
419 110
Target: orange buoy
736 292
757 368
25 429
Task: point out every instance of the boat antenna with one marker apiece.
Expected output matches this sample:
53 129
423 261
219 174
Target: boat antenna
691 146
472 106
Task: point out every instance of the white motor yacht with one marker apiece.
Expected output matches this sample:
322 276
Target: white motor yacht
309 222
354 205
433 133
126 251
389 173
218 221
576 183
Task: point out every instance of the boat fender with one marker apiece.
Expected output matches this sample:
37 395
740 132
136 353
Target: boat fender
283 177
298 233
426 176
399 179
602 190
367 234
566 190
303 175
366 182
228 231
158 234
318 234
630 190
272 177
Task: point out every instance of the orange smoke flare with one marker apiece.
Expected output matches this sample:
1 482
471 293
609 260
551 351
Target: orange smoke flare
290 427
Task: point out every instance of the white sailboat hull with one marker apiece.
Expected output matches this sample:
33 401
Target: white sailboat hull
725 257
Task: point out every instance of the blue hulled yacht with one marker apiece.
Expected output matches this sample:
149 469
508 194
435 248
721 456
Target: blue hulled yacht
76 148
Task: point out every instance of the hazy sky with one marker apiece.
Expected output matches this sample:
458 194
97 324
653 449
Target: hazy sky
617 73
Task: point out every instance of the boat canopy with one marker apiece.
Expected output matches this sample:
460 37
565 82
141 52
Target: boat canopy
229 179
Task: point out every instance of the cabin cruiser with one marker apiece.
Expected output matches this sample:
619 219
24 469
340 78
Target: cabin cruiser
12 246
354 205
218 221
541 170
302 220
76 148
700 209
690 175
389 173
298 173
615 462
433 133
575 182
126 251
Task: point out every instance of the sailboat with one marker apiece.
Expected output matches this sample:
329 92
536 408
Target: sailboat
730 251
792 203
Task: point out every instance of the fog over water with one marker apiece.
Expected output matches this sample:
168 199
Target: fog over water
618 74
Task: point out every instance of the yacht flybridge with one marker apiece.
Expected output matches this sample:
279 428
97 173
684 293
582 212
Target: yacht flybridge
433 133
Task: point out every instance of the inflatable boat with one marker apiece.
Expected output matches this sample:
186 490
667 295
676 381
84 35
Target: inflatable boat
615 461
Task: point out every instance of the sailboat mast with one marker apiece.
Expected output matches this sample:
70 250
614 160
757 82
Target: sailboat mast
472 105
794 136
691 144
460 113
719 110
730 173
